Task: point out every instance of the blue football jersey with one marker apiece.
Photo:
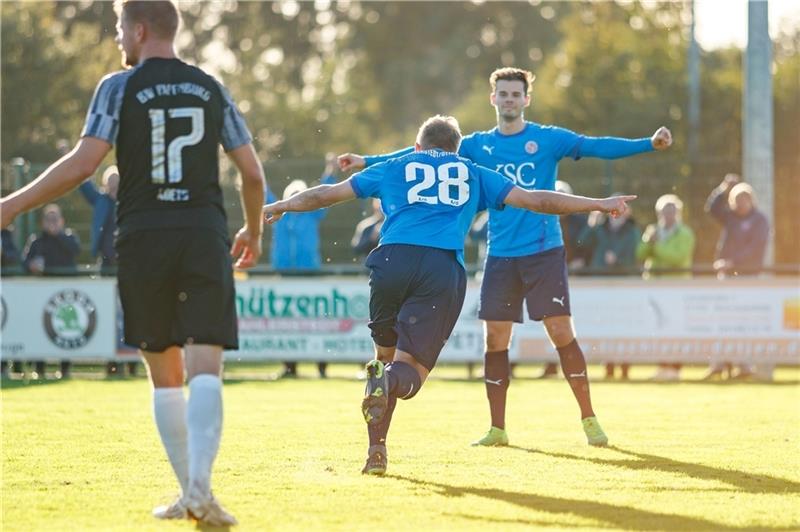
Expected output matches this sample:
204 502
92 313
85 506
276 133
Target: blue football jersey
430 197
530 159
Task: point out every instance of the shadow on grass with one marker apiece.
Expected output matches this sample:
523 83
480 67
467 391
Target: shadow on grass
611 515
742 481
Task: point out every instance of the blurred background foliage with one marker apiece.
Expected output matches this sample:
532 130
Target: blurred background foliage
314 77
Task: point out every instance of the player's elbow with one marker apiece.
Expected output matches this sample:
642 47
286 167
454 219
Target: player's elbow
82 169
253 177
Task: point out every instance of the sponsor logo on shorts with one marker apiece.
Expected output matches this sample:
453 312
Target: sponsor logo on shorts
70 319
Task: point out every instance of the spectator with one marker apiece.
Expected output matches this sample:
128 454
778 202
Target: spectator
368 231
745 229
52 252
55 250
296 246
104 223
667 245
613 242
741 246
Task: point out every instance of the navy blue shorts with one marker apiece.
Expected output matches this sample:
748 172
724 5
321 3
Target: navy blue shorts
416 295
539 279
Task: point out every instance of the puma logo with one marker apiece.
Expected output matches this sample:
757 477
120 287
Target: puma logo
559 301
578 375
498 382
488 148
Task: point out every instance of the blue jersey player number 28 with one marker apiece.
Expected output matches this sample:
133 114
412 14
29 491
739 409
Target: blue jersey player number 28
451 177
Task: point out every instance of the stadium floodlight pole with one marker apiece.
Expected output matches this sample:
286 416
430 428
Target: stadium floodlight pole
757 119
693 67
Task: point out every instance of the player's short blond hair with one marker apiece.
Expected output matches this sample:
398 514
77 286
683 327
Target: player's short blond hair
160 16
441 132
738 189
512 74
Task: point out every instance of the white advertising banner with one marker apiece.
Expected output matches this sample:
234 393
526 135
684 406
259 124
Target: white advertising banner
325 318
63 318
630 320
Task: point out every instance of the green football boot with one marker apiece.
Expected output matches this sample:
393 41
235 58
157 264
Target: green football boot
376 461
594 433
494 438
376 395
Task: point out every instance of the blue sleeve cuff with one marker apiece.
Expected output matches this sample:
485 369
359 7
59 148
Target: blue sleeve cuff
501 198
359 193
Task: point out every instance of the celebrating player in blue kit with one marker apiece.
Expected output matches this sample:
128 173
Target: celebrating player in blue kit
417 278
525 249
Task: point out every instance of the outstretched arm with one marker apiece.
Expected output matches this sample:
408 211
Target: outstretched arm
310 199
547 202
353 161
616 148
61 177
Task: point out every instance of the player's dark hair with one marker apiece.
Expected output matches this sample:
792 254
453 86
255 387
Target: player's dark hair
440 132
161 17
512 74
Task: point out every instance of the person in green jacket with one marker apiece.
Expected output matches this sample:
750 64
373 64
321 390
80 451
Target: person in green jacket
667 245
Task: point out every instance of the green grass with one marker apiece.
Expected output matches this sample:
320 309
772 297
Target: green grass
84 454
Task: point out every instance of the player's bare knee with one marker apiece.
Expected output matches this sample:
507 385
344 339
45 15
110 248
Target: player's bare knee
560 331
498 335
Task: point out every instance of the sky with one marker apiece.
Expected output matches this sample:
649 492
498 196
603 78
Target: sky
723 23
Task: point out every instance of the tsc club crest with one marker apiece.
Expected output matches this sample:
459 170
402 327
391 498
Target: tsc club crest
70 319
531 147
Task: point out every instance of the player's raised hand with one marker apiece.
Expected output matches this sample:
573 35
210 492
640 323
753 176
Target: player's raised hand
272 213
351 161
730 180
246 249
661 139
615 205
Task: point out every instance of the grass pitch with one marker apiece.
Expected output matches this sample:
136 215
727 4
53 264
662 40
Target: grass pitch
84 454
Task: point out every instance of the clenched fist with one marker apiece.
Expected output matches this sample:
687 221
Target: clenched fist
661 139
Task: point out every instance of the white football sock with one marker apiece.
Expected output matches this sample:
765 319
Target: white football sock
204 422
169 411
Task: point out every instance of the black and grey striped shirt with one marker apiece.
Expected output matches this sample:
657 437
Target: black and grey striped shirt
166 119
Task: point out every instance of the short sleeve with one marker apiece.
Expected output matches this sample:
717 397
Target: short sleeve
367 183
494 188
234 129
102 119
